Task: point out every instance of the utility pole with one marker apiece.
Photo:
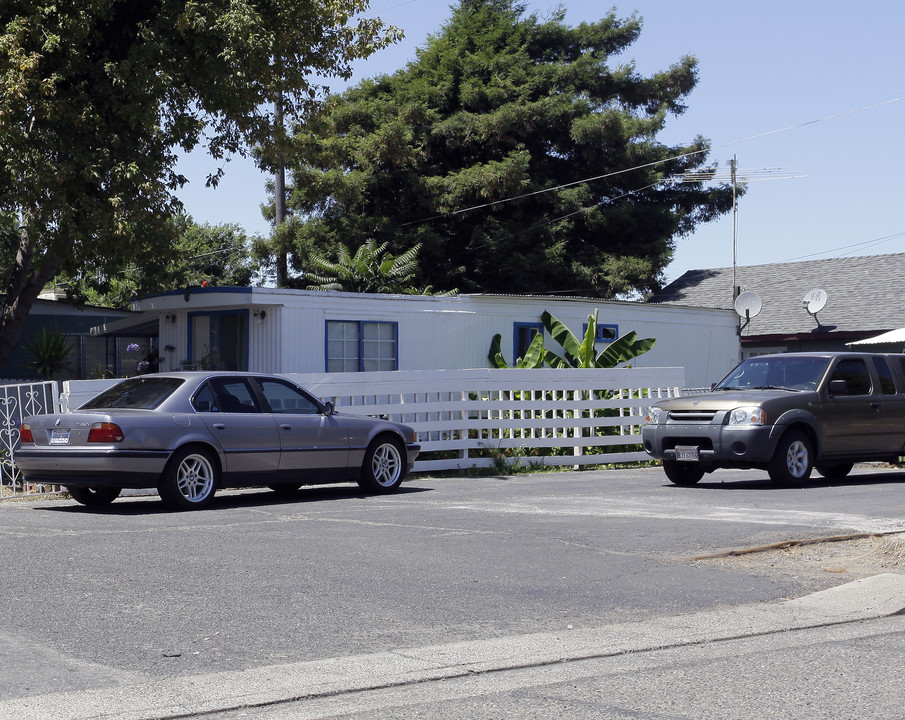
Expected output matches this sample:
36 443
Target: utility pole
282 270
733 177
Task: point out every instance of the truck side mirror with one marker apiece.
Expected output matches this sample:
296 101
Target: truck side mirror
838 387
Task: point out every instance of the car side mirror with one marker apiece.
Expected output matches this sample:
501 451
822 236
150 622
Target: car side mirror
329 408
838 387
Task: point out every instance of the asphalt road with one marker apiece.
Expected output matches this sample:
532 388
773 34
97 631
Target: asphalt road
107 605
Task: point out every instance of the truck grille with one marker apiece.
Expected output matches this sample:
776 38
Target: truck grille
692 416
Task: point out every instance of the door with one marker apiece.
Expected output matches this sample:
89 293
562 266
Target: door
853 424
248 436
310 440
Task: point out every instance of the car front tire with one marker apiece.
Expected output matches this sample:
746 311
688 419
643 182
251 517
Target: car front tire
683 473
793 460
93 497
384 466
190 479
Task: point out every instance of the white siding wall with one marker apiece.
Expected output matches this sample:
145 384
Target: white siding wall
447 333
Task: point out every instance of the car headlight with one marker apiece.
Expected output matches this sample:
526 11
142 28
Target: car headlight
653 415
748 416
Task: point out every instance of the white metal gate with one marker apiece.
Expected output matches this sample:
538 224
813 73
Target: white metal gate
17 402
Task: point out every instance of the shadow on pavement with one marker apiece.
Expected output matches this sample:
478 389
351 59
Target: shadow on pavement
761 481
150 504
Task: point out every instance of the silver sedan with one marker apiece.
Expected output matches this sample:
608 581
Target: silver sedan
188 434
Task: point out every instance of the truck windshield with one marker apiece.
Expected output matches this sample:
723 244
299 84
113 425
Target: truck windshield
766 371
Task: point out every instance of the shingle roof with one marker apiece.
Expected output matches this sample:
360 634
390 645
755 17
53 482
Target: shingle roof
864 294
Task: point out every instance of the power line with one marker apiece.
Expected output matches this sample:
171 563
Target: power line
856 247
654 163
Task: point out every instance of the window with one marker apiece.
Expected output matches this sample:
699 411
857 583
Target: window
523 334
286 399
606 333
854 372
229 395
137 392
359 346
887 384
219 340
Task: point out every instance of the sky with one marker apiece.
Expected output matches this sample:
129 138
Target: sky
807 95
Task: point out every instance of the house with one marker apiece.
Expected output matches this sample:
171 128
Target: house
91 355
860 300
282 330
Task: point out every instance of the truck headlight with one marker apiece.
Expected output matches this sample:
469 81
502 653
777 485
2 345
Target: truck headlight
653 415
748 416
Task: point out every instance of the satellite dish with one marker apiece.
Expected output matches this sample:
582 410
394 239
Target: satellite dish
748 304
814 301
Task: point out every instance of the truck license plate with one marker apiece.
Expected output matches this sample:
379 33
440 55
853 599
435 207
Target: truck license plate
59 437
687 453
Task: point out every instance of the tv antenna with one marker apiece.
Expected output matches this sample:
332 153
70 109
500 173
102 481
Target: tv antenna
736 177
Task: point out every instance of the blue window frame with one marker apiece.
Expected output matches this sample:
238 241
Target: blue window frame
606 333
361 346
522 335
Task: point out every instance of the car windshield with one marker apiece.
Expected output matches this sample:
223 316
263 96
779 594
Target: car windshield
781 372
139 392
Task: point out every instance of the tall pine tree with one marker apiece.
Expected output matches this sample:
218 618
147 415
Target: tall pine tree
516 151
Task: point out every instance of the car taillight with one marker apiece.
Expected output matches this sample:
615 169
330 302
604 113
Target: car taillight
25 434
104 432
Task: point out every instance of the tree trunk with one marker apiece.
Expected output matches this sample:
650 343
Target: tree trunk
25 284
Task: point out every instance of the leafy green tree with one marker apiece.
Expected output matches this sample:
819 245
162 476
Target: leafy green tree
98 99
518 152
576 353
211 254
370 270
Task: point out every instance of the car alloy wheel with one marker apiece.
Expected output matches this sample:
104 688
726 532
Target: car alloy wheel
189 480
384 466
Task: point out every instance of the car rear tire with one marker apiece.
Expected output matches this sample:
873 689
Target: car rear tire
189 479
93 497
384 466
793 460
835 471
683 473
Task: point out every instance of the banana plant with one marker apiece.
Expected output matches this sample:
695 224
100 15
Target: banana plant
576 354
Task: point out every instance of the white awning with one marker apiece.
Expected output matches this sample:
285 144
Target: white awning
893 336
146 323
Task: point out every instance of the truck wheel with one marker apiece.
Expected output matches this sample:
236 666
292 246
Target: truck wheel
793 459
683 473
835 471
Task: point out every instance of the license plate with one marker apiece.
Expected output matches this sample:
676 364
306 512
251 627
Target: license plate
59 437
687 453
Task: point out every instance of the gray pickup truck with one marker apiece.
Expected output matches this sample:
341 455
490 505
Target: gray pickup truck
785 414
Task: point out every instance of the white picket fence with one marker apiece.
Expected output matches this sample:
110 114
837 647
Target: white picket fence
464 418
490 418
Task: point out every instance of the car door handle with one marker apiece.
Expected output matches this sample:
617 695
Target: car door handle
285 426
875 406
219 426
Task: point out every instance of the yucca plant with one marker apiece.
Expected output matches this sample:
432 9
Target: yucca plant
51 354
